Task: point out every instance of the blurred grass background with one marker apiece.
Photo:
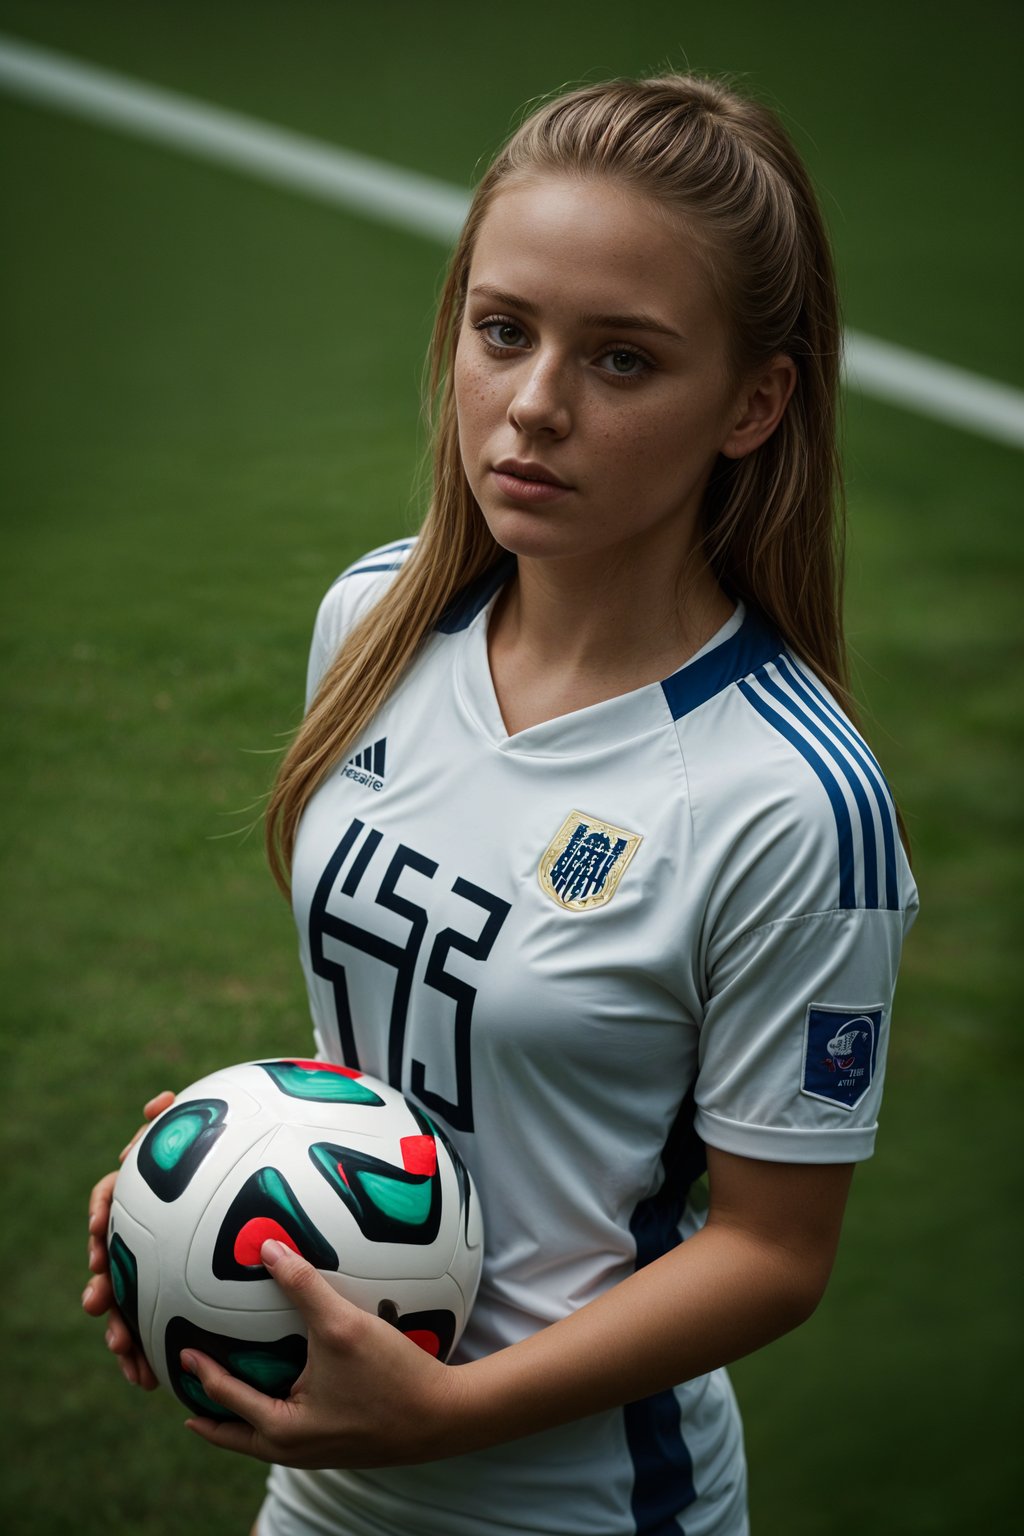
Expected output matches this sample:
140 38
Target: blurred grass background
210 405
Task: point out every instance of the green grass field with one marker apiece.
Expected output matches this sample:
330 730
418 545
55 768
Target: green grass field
210 405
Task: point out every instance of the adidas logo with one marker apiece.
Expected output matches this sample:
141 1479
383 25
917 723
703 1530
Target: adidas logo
367 767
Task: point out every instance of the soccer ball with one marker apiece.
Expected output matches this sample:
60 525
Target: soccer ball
335 1164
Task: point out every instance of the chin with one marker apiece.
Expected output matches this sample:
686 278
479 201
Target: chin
531 535
535 546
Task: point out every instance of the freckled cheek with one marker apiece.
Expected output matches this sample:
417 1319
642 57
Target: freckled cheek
644 449
479 404
657 459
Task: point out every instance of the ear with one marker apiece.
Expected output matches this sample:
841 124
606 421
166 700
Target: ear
760 406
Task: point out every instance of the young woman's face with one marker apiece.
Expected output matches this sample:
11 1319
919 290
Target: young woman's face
591 375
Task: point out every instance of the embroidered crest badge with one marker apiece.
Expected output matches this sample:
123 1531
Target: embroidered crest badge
840 1054
585 861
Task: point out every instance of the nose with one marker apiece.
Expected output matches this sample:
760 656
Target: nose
540 400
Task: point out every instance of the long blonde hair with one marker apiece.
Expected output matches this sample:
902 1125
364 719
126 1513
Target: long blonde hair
773 522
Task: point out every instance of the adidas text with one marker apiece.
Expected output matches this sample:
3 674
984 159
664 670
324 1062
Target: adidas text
362 778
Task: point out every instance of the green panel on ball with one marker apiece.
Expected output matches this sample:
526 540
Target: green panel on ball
268 1372
389 1204
321 1084
124 1278
173 1150
403 1202
271 1366
173 1140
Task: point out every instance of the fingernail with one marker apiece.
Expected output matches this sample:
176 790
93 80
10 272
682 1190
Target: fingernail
87 1295
128 1372
272 1252
109 1336
189 1362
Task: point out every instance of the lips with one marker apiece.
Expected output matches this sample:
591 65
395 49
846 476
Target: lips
526 491
526 469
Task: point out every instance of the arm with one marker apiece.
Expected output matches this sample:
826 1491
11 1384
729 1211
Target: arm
756 1270
369 1398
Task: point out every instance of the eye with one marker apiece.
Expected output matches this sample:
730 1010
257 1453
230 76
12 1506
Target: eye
626 363
500 335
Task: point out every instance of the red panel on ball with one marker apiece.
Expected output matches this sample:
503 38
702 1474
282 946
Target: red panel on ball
324 1066
254 1234
419 1154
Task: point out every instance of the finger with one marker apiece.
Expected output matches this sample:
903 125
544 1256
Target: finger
118 1336
229 1437
307 1289
158 1103
144 1376
123 1345
129 1144
136 1371
98 1299
226 1390
152 1107
131 1361
100 1197
98 1296
127 1368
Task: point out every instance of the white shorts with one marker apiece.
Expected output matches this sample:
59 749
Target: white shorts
579 1479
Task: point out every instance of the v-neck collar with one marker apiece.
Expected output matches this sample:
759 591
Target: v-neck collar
743 641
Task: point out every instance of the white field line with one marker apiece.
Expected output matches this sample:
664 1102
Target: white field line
433 208
933 388
291 160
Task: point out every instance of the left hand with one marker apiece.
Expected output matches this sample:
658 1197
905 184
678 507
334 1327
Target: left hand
368 1397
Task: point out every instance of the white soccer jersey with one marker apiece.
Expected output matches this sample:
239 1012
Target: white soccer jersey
671 917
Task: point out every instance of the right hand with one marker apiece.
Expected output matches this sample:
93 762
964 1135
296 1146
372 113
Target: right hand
98 1296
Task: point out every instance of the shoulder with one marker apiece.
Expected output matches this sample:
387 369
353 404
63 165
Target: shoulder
348 599
789 801
354 592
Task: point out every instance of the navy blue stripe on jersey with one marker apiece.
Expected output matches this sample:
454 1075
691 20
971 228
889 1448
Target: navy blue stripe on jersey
662 1465
858 750
839 760
463 609
390 558
753 644
844 829
841 720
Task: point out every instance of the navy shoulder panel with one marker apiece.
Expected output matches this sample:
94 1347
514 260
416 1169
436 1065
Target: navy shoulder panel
463 609
753 644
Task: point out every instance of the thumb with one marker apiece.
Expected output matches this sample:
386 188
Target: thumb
304 1286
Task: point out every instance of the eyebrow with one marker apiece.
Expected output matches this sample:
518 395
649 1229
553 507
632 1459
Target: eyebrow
637 322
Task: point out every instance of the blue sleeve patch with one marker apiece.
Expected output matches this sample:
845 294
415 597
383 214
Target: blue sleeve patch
840 1053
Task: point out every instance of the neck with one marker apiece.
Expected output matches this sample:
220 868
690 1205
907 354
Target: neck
609 619
568 634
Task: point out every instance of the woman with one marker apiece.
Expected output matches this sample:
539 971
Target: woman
585 852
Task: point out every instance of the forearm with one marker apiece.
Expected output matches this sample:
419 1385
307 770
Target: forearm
366 1399
716 1297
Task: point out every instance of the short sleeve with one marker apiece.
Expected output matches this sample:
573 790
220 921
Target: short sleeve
348 600
809 894
795 1034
